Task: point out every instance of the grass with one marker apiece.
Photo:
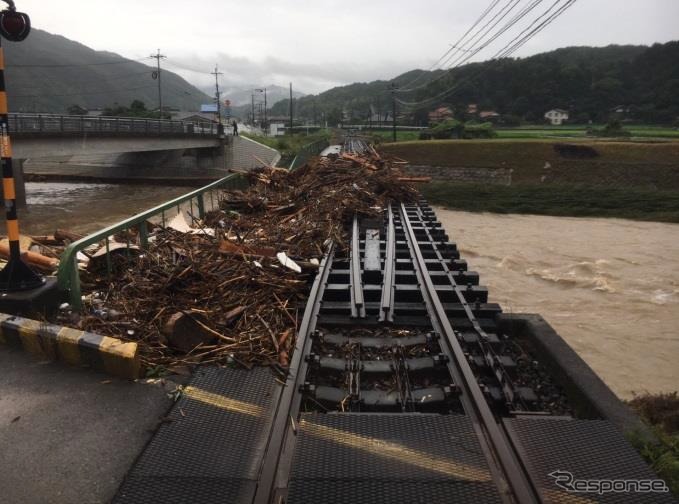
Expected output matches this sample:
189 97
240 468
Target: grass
661 411
289 146
388 136
636 164
569 131
557 200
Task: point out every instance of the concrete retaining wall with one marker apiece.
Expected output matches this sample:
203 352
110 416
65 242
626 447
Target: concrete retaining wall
475 175
241 152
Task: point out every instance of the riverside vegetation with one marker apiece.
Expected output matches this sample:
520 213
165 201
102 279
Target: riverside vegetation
632 179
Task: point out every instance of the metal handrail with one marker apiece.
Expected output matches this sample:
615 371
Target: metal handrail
68 274
52 123
308 151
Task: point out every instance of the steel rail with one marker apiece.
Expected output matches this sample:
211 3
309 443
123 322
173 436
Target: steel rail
387 306
287 409
357 301
473 399
490 357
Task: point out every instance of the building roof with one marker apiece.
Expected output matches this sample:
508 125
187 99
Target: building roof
194 116
488 113
559 110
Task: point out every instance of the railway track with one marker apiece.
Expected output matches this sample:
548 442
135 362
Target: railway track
401 388
354 144
377 338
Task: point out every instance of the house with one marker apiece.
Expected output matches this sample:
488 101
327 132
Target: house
489 115
556 116
278 125
440 114
195 117
472 109
620 111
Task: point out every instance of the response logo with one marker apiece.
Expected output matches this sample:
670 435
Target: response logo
566 481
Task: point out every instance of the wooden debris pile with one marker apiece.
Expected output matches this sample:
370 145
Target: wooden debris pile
234 288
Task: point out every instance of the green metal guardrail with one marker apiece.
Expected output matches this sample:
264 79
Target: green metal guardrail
68 275
308 151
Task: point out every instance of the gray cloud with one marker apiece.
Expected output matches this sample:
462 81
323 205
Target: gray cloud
324 43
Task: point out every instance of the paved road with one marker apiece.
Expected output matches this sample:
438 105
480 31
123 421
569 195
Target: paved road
69 435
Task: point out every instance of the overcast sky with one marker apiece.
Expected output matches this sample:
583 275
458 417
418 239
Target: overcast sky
320 44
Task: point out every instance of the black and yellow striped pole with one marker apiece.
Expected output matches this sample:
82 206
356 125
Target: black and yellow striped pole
16 275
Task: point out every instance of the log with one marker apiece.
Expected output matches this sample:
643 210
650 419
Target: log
414 179
182 332
65 235
40 261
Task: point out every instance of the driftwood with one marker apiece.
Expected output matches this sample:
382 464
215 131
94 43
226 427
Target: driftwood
237 296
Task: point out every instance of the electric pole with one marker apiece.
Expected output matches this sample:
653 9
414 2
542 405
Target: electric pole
220 126
393 112
291 123
158 57
253 109
263 90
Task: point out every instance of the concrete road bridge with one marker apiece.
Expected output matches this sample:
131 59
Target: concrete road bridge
126 148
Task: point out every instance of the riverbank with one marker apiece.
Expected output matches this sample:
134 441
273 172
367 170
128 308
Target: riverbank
567 200
632 180
610 287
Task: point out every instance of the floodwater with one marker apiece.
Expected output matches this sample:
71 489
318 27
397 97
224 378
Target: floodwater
610 287
84 208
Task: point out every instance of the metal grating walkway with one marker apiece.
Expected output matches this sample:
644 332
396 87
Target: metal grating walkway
386 458
211 449
590 450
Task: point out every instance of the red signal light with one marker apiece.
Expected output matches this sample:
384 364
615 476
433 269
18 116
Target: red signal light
14 26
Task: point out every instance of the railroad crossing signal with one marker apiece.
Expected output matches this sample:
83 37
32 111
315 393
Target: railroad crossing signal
16 275
14 26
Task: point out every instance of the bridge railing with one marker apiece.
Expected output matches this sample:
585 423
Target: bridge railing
308 151
197 203
68 125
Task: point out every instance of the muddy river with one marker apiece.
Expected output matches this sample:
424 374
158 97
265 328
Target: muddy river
610 287
85 208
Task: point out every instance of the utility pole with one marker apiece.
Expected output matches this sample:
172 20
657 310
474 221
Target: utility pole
393 112
291 123
264 124
253 110
220 126
158 57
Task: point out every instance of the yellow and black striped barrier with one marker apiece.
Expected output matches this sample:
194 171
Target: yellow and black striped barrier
71 346
16 275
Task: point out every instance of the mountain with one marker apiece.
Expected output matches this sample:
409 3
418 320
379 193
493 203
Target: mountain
587 81
49 73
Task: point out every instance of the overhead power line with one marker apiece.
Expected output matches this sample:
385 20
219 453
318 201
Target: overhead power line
510 48
472 51
113 78
107 91
458 43
68 65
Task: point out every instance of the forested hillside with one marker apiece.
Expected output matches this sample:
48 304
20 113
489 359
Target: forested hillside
586 81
